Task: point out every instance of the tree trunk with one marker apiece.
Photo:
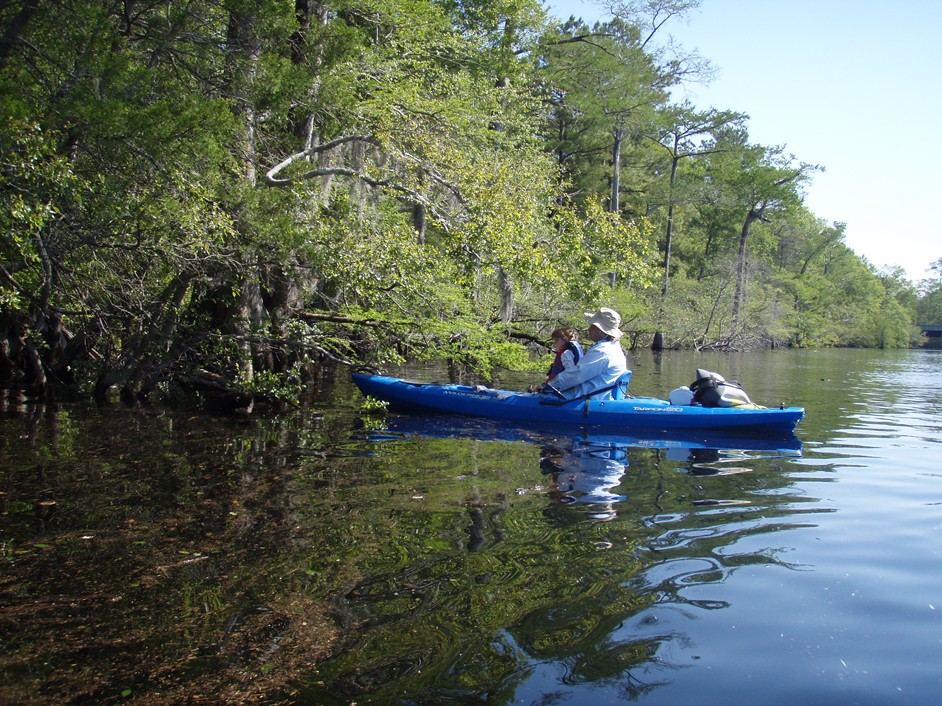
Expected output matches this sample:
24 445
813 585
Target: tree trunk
658 343
247 317
751 217
419 214
13 31
242 68
506 296
282 297
619 136
669 235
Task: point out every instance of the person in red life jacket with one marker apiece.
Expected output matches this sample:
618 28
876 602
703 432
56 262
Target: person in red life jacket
599 370
567 349
568 354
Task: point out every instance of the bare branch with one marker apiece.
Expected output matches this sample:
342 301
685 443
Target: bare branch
650 14
271 177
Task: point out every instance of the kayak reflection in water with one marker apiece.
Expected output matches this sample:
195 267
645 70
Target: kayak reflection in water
586 473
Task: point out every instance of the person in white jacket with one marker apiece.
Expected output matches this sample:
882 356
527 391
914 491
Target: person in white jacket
602 364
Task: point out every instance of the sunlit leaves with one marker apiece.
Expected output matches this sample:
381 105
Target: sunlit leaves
37 187
598 249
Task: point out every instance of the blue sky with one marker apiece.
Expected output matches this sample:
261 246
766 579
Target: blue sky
851 85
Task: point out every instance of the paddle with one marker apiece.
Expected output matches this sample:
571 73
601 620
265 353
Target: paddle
557 402
555 391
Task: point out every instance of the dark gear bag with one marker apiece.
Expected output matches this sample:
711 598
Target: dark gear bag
712 390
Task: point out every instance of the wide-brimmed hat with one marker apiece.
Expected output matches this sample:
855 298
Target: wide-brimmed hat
608 321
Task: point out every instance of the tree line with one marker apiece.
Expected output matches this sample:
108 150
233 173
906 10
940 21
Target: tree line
232 192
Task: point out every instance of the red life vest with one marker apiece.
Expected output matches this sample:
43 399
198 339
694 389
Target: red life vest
557 367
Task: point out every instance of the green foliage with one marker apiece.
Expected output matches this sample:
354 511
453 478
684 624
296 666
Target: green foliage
250 189
929 306
37 187
268 383
603 89
373 405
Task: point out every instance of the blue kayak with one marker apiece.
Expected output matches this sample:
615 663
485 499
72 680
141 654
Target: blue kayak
628 414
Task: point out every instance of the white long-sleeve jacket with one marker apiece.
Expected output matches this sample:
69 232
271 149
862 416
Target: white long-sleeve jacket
599 368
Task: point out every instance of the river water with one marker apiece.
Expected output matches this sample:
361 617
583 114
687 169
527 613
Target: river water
333 556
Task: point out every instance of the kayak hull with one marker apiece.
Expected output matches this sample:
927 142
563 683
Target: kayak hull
635 413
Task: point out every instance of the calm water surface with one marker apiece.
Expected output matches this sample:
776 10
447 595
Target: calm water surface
330 556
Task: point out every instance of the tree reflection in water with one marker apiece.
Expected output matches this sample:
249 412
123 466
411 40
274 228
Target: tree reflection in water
160 556
562 596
